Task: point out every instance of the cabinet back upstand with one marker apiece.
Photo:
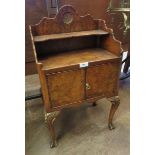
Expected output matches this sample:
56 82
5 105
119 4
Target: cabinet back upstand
78 60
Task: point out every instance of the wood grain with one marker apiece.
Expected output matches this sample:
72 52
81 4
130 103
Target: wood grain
103 80
59 48
66 87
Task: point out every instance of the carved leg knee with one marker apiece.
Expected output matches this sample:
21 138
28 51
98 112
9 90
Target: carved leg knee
115 103
50 119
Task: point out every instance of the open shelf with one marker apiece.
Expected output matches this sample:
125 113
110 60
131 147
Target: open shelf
74 58
69 35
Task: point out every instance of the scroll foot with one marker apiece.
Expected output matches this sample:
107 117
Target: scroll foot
53 144
111 126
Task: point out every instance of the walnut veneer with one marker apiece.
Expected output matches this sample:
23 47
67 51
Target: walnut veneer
78 60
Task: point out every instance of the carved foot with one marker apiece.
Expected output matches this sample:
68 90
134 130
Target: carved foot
115 103
111 126
50 119
94 104
53 144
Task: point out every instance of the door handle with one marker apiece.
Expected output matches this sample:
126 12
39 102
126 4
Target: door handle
88 86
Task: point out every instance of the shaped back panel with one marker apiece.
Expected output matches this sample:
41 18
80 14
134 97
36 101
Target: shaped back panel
67 20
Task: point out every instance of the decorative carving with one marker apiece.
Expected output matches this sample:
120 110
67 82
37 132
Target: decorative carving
115 103
50 119
66 15
68 18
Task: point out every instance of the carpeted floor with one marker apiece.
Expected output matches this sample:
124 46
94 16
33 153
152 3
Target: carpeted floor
82 130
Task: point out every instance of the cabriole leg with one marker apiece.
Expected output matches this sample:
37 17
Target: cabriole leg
50 119
115 103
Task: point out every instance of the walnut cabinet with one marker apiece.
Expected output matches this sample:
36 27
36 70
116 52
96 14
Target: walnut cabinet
78 60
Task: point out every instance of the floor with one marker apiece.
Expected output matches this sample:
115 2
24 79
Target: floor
82 130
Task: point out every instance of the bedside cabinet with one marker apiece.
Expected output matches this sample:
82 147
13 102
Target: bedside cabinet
78 60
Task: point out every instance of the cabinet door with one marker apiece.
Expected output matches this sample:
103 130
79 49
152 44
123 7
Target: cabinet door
66 87
102 80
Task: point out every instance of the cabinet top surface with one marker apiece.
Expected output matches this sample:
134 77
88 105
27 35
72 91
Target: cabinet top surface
74 58
69 35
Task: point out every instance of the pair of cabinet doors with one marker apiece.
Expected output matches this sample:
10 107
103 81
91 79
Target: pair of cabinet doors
74 86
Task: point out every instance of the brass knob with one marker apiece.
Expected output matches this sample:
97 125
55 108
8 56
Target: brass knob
87 86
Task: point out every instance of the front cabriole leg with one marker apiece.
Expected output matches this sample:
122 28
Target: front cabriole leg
50 119
115 103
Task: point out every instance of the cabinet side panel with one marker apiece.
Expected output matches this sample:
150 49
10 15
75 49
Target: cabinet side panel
66 87
110 43
44 88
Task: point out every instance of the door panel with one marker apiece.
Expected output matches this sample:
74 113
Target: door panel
66 87
102 80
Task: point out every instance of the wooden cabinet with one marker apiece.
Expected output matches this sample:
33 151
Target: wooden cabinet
78 61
